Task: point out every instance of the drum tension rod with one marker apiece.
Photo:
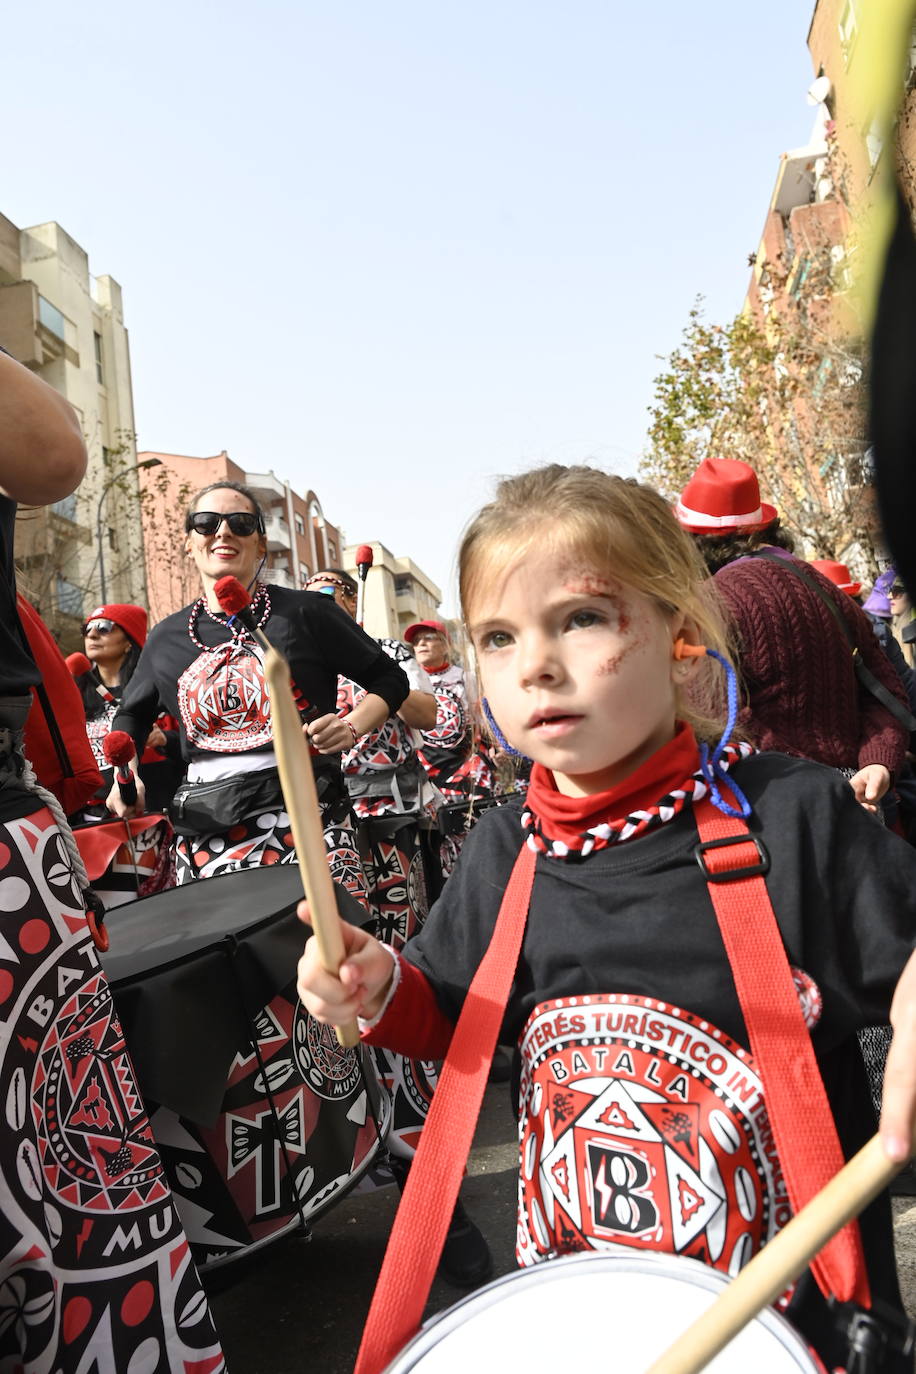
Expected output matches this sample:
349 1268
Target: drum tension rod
231 947
873 1334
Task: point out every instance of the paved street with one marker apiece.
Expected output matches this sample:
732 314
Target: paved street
300 1306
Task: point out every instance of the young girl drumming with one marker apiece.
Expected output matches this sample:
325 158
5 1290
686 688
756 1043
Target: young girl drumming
644 1118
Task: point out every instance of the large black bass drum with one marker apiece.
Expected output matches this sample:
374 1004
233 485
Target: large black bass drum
262 1119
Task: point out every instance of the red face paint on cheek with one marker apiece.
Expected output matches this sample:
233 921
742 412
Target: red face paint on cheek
588 583
637 638
612 665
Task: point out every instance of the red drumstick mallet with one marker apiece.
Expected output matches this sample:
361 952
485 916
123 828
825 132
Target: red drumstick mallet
299 794
78 664
118 748
364 560
236 602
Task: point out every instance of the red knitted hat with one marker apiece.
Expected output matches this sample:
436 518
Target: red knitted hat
131 619
723 497
412 631
838 574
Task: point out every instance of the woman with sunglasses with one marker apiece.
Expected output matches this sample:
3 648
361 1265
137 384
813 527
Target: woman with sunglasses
209 675
113 637
902 622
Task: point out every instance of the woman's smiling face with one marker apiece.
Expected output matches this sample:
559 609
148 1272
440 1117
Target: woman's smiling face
577 669
223 553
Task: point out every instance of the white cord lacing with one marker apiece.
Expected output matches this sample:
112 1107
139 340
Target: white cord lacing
30 782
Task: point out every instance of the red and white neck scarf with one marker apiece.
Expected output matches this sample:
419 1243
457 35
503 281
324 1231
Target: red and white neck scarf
573 827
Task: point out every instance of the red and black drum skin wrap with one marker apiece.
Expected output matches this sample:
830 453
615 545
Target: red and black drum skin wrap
262 1118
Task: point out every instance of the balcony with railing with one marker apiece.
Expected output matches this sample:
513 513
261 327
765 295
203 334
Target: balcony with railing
266 486
33 329
277 532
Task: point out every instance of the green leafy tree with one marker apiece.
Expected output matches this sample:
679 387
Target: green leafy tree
783 389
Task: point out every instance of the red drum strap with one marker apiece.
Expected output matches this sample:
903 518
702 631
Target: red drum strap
432 1186
800 1116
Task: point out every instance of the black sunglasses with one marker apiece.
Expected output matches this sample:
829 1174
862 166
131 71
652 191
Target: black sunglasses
240 522
897 589
104 627
328 584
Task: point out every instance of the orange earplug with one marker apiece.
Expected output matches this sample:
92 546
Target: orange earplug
684 650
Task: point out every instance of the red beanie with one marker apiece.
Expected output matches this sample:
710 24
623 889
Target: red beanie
131 619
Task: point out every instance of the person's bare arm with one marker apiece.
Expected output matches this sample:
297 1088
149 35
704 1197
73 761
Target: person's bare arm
898 1100
42 454
419 710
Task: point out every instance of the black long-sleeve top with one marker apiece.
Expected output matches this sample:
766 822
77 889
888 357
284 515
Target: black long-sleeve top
217 692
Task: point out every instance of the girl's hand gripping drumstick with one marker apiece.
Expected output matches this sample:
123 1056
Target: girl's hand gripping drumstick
781 1260
299 794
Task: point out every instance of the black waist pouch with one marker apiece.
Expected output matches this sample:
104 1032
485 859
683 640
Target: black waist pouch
201 808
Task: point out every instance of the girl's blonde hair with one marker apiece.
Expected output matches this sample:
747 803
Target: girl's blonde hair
620 527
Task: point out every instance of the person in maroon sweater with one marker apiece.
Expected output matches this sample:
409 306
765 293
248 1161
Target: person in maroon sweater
802 694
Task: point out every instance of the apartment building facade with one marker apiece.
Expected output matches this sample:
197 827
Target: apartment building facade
68 327
799 293
397 592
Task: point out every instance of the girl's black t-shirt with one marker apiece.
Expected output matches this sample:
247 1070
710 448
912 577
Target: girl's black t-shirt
631 1036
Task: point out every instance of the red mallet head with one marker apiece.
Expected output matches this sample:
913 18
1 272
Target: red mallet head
364 560
231 595
78 664
118 748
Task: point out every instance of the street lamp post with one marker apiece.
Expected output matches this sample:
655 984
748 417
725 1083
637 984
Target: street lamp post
112 481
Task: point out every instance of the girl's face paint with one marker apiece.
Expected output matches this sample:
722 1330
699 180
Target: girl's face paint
577 668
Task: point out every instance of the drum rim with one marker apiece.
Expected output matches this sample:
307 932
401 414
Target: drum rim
441 1324
173 956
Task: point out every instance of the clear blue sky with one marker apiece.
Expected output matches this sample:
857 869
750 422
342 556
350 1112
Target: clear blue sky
393 249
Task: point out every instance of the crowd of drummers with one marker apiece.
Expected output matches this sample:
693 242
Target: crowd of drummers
149 765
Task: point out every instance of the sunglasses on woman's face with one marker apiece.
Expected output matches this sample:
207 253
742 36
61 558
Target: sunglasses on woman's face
102 627
240 522
328 585
898 589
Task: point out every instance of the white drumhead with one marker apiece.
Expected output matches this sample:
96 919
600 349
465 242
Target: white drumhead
597 1312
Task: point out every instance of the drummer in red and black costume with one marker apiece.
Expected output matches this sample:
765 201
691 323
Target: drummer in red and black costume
388 790
387 783
448 753
95 1271
209 675
113 636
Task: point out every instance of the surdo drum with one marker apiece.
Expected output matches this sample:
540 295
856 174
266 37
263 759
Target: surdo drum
614 1313
262 1119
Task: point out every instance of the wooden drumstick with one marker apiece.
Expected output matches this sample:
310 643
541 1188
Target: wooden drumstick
299 794
780 1261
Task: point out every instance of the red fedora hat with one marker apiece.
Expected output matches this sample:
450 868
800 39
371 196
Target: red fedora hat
723 497
838 574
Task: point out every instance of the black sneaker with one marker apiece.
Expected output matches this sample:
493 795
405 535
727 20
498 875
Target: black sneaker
465 1261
